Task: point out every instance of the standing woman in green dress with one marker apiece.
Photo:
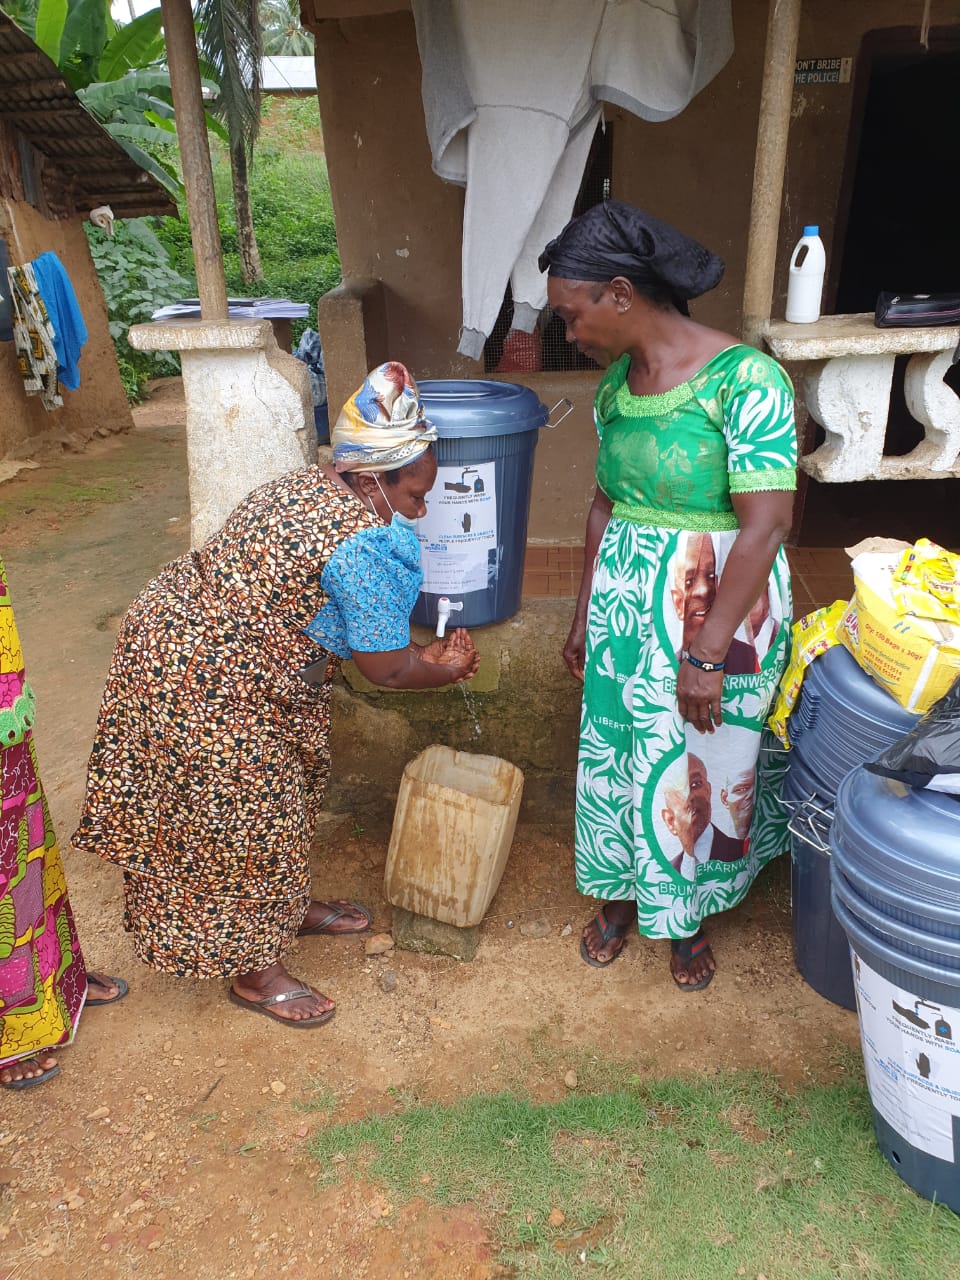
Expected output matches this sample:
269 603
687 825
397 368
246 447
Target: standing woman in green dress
682 622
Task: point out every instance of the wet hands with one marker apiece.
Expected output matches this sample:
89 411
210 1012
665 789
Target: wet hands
698 697
456 651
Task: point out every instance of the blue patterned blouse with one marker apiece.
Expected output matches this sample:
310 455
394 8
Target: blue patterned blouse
372 581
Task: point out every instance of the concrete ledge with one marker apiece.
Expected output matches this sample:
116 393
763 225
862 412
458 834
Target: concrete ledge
852 335
203 335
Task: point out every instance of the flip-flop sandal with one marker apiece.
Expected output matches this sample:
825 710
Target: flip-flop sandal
607 932
323 926
30 1081
265 1006
687 949
123 988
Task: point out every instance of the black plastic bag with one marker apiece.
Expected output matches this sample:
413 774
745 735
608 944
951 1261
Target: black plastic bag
929 755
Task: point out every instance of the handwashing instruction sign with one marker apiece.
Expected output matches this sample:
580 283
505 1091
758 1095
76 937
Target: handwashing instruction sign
912 1060
458 535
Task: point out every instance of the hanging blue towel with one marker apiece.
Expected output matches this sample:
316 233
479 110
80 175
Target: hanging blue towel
70 332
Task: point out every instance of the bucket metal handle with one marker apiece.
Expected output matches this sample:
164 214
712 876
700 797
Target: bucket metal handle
565 414
813 835
799 805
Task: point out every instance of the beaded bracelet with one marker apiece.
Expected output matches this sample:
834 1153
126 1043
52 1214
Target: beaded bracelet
686 656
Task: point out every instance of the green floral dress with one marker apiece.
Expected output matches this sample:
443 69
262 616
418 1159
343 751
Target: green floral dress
677 820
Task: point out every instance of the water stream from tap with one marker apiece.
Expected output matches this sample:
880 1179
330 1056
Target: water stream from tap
472 709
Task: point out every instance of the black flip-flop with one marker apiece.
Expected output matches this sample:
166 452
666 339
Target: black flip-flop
607 932
30 1081
265 1007
323 926
122 989
687 949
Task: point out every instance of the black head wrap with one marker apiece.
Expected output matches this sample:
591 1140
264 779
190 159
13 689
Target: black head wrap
617 239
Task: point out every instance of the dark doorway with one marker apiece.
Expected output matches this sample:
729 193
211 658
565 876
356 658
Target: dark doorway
897 230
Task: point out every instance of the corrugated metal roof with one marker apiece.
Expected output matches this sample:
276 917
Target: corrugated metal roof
288 75
37 101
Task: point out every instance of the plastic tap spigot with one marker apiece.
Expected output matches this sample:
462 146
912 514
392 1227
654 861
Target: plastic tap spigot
444 609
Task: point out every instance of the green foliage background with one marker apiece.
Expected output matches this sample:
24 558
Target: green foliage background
292 212
136 277
149 261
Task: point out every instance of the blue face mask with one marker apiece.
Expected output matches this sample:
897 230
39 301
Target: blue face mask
405 527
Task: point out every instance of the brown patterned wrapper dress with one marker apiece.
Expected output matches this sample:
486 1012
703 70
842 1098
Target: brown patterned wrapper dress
211 753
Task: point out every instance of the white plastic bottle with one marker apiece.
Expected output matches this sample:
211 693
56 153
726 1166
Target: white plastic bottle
806 278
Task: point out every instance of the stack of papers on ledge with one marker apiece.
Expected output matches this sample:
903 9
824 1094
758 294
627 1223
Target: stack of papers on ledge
239 308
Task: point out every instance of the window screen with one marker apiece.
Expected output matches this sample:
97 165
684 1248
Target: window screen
556 353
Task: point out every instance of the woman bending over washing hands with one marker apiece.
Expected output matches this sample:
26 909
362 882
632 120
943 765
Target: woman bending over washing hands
212 747
681 626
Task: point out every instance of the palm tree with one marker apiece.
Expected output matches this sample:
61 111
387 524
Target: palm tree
283 35
228 38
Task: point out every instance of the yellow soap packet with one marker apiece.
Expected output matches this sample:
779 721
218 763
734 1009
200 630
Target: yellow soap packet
810 636
926 582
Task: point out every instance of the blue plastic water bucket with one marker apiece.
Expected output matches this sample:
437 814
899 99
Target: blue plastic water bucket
895 873
820 947
473 538
321 420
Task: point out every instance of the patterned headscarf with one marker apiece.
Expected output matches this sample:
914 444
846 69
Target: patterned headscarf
382 425
617 239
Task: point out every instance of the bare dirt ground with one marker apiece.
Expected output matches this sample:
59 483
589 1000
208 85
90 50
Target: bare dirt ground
172 1143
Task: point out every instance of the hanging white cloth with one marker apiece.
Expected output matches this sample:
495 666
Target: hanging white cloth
511 92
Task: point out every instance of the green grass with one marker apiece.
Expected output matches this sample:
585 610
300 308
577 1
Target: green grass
292 213
56 498
322 1097
726 1176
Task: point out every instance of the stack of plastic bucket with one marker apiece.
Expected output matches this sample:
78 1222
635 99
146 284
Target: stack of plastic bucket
820 947
896 893
474 535
843 718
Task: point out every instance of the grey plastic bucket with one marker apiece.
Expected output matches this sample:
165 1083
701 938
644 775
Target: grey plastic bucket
895 876
820 947
473 538
843 718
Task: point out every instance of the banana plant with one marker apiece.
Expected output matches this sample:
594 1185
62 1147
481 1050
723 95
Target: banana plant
118 73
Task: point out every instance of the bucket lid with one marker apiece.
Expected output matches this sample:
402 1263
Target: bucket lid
838 678
904 842
475 407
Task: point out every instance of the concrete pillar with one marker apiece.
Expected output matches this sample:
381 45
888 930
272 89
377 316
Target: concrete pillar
351 322
846 386
776 96
249 411
932 403
850 397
